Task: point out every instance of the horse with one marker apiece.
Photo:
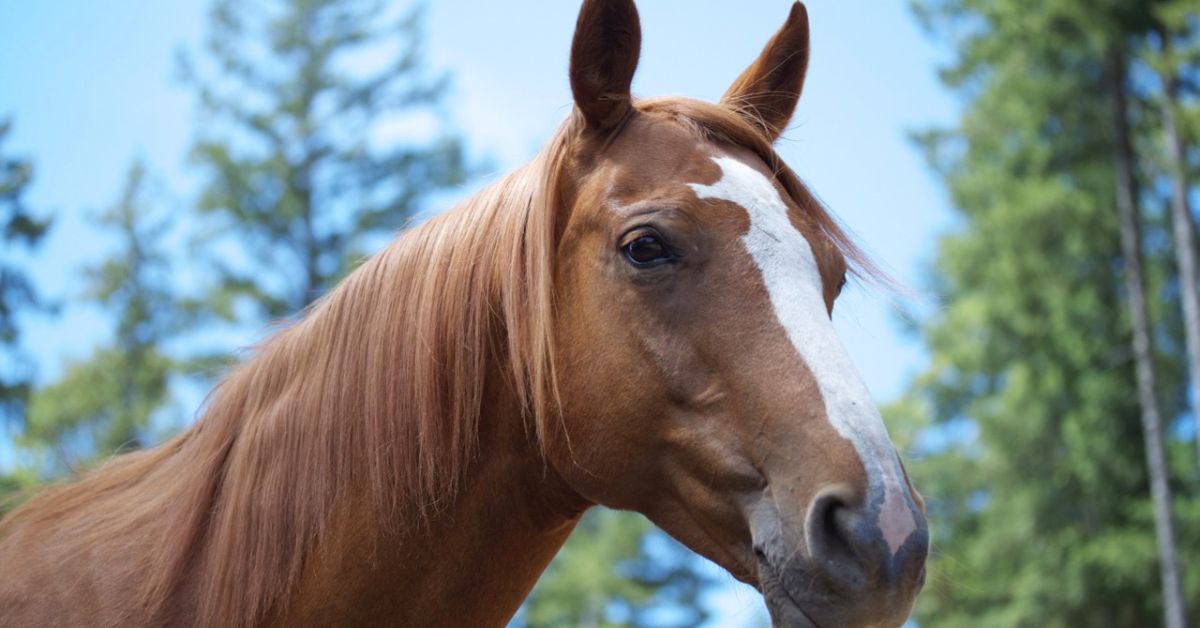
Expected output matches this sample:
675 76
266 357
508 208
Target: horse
639 318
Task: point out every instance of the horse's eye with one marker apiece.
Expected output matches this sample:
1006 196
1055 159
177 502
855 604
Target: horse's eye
647 250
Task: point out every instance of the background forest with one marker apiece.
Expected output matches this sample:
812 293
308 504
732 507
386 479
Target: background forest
1044 365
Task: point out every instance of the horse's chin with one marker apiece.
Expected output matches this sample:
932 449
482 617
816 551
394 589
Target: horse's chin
785 612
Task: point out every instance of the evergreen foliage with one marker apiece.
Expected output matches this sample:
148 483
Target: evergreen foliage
104 404
617 569
20 228
294 181
1035 471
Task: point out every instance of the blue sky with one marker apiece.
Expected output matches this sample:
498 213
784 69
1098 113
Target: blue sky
90 87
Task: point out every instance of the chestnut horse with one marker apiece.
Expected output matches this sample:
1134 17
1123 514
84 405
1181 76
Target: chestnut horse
639 318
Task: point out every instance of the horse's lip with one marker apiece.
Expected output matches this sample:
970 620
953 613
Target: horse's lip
787 598
775 593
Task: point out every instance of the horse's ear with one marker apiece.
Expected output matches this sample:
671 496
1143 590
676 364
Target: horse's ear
604 55
767 92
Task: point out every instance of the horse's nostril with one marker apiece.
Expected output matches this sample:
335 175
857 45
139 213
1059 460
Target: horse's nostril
834 542
861 547
829 529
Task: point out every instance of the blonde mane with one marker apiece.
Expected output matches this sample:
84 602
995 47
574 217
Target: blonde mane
378 387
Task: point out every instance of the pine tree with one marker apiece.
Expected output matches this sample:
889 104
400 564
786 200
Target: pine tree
105 403
1035 472
1169 66
20 228
616 569
292 173
1128 211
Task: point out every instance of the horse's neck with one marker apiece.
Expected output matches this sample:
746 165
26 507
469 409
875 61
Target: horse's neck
471 565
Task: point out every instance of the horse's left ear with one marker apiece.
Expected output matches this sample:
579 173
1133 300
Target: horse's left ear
767 92
604 56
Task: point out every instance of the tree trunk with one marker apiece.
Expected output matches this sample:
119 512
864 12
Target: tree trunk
1185 235
1127 208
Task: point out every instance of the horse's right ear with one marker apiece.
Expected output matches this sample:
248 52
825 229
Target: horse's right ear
604 55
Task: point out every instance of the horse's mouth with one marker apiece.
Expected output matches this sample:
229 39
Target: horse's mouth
785 611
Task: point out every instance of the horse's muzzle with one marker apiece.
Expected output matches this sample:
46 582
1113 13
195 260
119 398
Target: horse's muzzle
861 561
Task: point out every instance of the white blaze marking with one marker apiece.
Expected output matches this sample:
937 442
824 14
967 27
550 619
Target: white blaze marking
793 281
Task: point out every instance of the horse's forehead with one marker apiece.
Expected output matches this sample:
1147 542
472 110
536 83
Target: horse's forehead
659 160
651 154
